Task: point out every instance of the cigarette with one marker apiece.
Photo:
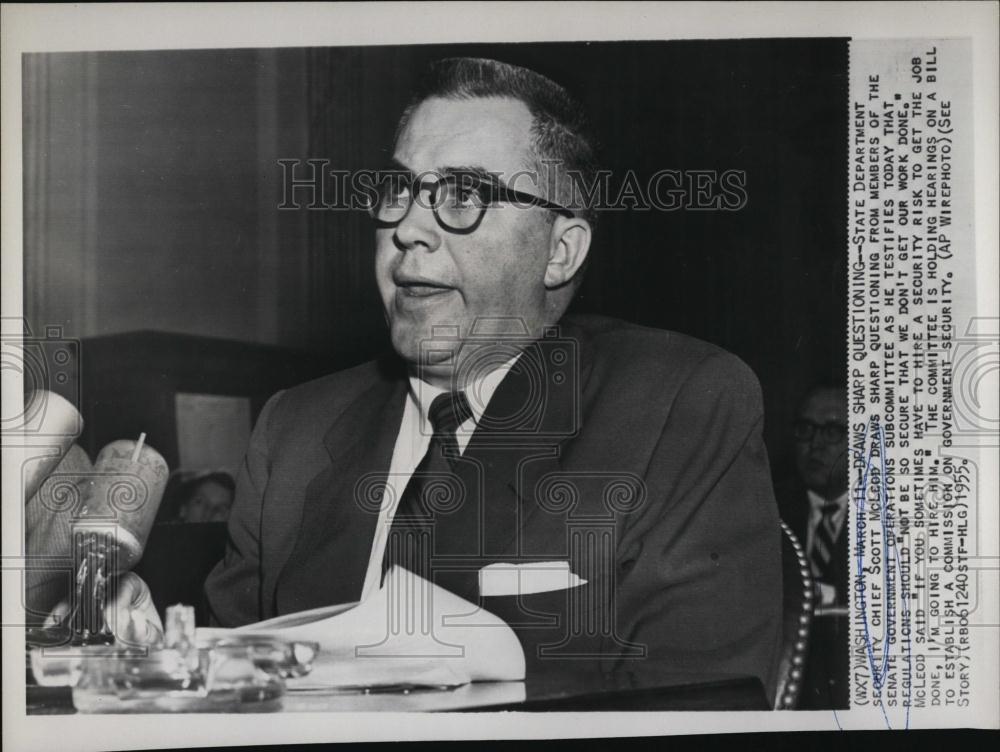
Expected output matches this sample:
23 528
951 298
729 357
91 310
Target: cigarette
138 447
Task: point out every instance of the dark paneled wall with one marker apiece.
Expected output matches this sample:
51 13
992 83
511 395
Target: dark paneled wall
151 193
130 382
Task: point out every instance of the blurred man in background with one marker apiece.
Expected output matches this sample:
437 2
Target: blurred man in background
198 497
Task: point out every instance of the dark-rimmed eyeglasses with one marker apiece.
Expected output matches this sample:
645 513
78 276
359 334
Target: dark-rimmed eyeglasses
459 200
830 433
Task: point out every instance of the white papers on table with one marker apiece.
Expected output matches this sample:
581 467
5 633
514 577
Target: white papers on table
408 632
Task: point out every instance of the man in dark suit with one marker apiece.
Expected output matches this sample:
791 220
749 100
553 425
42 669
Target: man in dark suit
500 431
815 505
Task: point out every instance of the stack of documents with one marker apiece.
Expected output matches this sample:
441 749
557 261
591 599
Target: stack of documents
408 633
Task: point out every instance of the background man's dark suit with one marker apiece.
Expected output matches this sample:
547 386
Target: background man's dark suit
793 504
644 439
824 684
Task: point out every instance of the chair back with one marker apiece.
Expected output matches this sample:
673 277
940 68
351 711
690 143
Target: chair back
176 561
797 613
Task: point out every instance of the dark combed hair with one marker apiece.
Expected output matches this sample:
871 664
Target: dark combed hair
561 132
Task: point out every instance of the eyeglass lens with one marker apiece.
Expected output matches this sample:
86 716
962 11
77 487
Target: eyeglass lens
457 201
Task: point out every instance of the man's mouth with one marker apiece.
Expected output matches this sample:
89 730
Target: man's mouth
815 464
410 293
422 290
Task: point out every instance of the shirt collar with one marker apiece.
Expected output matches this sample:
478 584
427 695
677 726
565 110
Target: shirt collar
817 502
479 393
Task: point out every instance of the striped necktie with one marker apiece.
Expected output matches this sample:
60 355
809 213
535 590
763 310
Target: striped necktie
824 542
408 543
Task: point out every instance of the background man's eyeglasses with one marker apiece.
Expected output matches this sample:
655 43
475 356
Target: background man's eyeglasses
459 201
830 433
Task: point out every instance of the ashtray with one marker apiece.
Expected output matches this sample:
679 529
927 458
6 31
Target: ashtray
223 675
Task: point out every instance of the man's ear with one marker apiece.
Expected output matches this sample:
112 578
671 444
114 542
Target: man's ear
569 242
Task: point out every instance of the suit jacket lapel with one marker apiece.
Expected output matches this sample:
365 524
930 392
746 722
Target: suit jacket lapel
342 502
519 443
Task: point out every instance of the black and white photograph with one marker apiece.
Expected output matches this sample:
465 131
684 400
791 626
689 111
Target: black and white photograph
478 376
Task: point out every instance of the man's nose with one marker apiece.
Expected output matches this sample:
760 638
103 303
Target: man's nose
418 227
817 442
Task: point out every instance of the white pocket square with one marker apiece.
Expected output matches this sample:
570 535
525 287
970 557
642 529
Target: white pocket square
524 579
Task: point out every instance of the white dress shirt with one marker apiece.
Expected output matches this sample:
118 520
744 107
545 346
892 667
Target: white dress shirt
414 436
